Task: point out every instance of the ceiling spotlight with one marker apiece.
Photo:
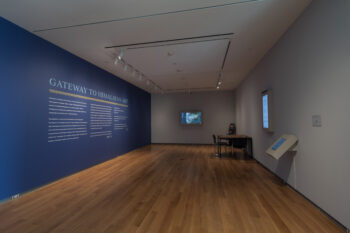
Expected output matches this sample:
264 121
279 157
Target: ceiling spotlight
121 55
219 82
217 87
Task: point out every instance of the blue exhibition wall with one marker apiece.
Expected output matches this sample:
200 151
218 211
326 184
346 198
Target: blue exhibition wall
59 113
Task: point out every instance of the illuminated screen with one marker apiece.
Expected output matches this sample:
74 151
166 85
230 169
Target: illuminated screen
191 118
278 144
265 102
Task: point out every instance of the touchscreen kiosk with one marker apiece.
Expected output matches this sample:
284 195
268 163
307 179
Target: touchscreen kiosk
287 142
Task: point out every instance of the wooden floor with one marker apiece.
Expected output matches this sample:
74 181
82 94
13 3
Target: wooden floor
166 188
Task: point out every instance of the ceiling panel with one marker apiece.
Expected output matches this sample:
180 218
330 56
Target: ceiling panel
182 58
91 25
39 15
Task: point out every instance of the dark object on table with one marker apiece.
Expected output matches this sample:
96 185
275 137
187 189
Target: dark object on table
232 129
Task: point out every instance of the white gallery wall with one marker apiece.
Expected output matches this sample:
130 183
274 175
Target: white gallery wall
218 112
309 73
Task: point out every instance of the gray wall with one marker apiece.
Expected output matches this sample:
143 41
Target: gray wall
309 73
218 113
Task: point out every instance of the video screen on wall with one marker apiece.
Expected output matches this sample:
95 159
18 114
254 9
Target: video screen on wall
265 100
191 118
266 110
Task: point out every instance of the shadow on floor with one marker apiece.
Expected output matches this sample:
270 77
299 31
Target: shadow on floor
238 154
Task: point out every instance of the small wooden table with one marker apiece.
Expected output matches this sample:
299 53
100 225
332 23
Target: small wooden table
248 142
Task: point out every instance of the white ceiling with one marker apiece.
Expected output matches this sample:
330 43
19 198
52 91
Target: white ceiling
87 27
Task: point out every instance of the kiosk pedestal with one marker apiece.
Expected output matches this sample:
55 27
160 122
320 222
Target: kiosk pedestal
287 142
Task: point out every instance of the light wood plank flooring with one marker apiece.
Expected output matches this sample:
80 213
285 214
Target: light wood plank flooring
166 188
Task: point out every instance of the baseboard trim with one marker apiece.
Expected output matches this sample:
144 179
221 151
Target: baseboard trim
306 198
